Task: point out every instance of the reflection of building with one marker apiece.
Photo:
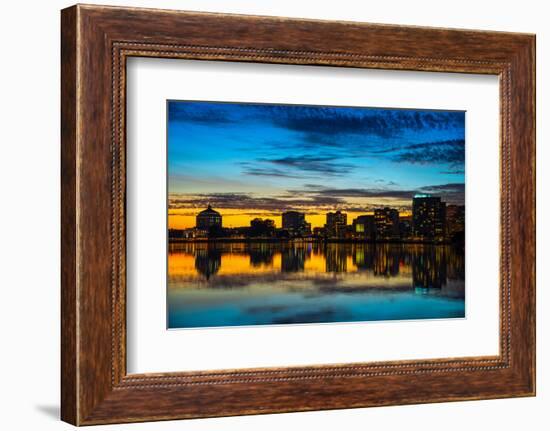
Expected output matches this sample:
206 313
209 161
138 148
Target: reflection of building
336 224
293 259
209 218
336 258
428 217
364 227
386 260
208 261
261 254
429 267
423 267
295 222
386 221
455 220
363 256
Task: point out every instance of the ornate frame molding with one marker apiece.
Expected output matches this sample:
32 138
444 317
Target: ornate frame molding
96 41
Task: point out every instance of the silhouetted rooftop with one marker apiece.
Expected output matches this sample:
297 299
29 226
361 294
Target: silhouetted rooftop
209 211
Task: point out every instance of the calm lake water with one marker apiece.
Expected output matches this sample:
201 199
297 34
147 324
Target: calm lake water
230 284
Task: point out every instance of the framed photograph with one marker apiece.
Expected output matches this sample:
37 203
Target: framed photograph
267 215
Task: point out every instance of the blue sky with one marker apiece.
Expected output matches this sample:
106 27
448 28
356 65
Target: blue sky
276 157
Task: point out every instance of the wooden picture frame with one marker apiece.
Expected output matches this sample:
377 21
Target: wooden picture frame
95 43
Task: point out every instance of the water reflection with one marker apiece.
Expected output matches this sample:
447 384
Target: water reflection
225 284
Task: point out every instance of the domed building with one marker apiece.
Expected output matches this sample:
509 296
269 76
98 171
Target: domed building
209 218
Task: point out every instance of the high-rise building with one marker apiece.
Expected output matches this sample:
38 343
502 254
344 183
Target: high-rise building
455 220
336 224
364 227
209 218
405 226
428 217
295 223
386 222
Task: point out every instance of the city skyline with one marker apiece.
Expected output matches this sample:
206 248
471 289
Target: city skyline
256 161
431 220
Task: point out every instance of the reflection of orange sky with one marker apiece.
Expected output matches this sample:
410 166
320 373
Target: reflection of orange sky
239 264
186 218
183 264
235 264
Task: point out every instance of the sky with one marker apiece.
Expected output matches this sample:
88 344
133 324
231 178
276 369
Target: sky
258 160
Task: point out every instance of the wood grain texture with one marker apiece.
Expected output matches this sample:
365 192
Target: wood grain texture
96 41
69 397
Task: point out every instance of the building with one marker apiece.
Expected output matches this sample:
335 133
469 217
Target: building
261 227
455 221
295 223
176 234
186 234
364 227
336 224
386 221
319 232
405 226
208 219
428 217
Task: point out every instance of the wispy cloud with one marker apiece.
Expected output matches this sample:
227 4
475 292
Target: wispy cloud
199 113
326 165
250 169
248 201
319 123
316 197
449 152
452 192
323 122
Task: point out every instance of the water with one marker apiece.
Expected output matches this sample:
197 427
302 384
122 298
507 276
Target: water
260 283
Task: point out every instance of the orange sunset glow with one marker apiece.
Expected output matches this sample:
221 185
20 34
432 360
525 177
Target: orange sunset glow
186 218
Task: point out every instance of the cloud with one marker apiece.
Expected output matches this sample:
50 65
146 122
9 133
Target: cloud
454 171
323 199
299 167
326 165
367 193
314 186
199 113
248 201
320 123
444 188
451 193
267 172
450 152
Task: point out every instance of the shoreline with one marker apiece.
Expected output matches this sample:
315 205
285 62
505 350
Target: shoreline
305 240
